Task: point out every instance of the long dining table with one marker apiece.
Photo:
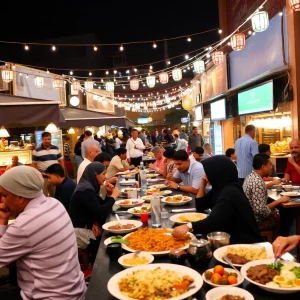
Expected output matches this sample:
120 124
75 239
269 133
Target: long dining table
104 268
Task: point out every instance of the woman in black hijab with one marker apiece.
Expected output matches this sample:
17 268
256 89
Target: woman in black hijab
231 210
88 211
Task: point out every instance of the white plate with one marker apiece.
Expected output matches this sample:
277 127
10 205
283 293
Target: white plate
148 256
156 179
296 187
221 291
174 217
182 202
114 290
147 198
264 287
158 186
133 203
131 210
229 270
137 224
123 191
128 176
287 186
127 248
290 194
148 176
220 252
127 182
108 241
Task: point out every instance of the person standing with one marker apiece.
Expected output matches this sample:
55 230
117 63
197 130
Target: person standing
88 141
67 157
181 144
134 148
77 151
195 139
246 148
43 157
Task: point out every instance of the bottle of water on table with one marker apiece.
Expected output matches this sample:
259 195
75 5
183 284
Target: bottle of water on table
156 211
143 180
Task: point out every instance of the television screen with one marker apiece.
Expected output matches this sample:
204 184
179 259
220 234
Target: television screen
198 113
258 99
143 120
218 110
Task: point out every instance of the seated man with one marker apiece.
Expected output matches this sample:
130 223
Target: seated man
159 164
197 155
188 176
118 163
266 149
231 154
41 240
292 171
104 158
207 151
64 185
14 162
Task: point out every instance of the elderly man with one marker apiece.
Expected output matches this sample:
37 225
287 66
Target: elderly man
189 174
41 240
88 142
292 171
14 162
159 164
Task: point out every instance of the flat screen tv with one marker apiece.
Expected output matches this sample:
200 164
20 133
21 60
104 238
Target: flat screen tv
255 100
218 110
198 113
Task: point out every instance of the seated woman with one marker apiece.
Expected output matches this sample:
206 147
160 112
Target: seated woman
87 210
231 210
169 168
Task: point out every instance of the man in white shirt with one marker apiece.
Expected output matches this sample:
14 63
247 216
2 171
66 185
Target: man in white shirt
180 143
134 148
198 154
88 141
92 152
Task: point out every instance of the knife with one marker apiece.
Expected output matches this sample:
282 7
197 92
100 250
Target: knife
183 210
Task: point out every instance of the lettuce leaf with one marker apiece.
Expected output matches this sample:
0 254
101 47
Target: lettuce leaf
296 271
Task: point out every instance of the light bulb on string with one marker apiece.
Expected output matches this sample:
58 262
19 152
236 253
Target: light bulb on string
135 70
151 68
168 62
26 47
220 31
53 48
186 56
121 48
95 48
128 71
281 14
106 72
189 39
90 74
71 72
115 71
47 71
154 45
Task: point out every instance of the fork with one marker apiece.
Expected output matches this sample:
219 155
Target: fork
174 290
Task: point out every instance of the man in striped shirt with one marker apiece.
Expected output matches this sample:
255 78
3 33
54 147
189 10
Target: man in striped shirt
41 240
43 157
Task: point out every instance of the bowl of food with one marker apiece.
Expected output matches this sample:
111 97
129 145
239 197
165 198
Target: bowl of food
176 200
218 239
280 278
136 211
228 292
124 226
128 203
135 259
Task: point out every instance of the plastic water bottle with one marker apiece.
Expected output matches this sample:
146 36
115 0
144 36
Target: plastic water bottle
143 179
156 211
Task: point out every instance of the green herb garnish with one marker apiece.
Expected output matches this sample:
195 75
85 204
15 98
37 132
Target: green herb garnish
119 239
276 266
296 271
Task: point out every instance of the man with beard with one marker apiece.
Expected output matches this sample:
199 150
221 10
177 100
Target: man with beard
292 171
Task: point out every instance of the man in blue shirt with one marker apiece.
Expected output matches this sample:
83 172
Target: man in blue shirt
246 148
189 173
64 185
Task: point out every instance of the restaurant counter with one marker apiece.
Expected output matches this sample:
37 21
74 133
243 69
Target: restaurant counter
25 157
104 268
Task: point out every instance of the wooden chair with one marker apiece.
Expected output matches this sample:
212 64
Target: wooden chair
83 256
267 235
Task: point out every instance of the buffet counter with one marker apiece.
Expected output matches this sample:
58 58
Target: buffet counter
25 157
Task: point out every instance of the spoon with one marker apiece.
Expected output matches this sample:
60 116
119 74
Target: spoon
230 263
117 216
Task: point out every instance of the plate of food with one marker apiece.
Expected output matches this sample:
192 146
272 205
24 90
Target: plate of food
155 241
281 278
136 211
128 172
287 186
128 176
128 203
220 276
124 226
135 259
142 282
290 194
128 182
125 191
187 217
240 254
151 175
228 292
156 179
158 186
176 200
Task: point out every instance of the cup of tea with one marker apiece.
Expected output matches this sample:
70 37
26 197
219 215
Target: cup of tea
114 250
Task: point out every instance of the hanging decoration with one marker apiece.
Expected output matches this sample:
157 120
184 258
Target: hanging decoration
199 66
7 75
71 130
110 86
76 85
163 77
151 81
295 5
177 74
238 41
88 85
187 102
51 127
260 21
39 82
217 57
134 84
57 83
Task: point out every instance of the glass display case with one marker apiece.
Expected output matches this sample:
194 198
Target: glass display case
25 157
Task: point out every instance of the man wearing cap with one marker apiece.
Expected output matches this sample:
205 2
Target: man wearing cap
41 240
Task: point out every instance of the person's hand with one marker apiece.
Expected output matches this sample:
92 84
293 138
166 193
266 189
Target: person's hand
112 180
204 180
285 244
109 187
131 167
173 184
96 229
169 176
276 181
284 180
128 160
5 213
115 193
179 231
284 199
151 166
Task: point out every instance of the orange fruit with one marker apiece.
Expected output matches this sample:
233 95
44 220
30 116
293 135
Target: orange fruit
234 274
208 275
219 269
226 273
216 278
224 280
232 279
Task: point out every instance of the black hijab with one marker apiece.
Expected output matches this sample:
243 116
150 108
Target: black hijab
88 180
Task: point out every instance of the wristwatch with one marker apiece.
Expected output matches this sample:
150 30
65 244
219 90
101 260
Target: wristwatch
178 187
190 226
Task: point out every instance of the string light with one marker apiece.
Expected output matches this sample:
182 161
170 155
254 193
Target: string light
71 72
135 70
53 48
154 45
90 74
95 48
26 47
47 71
106 72
220 31
115 71
186 56
121 48
189 39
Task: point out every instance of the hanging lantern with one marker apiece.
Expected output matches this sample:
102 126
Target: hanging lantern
260 21
134 84
199 66
39 81
151 81
3 132
295 5
187 102
238 41
163 77
7 75
88 85
57 83
177 74
217 57
76 85
51 127
110 86
71 130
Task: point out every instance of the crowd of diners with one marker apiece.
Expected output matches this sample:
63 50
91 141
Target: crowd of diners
51 216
